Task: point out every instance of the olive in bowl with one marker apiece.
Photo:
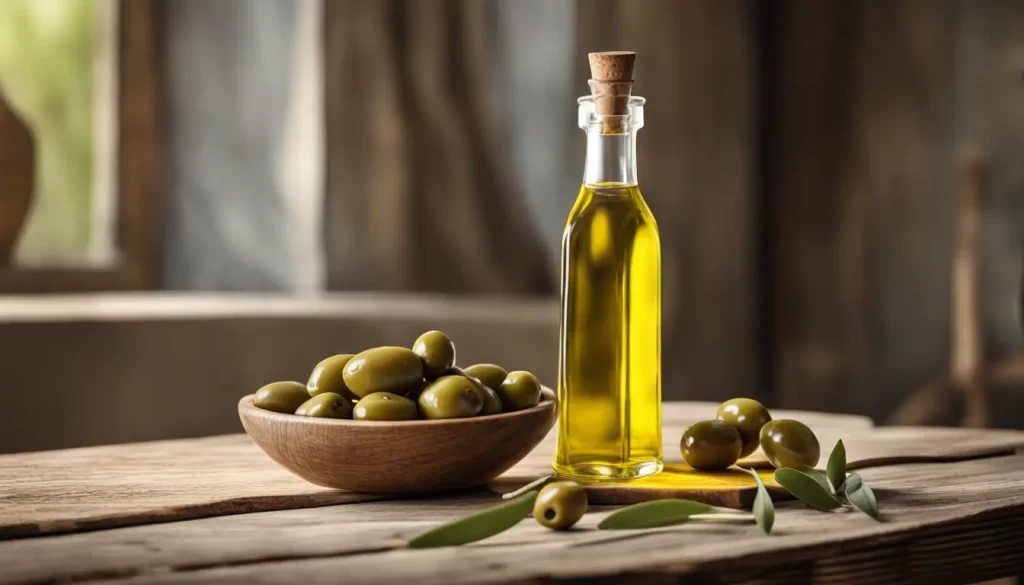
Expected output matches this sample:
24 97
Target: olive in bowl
281 396
519 390
491 375
397 456
384 406
450 397
436 351
384 369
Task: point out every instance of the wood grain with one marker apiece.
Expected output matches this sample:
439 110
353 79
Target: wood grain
101 487
964 530
119 485
862 198
865 447
402 457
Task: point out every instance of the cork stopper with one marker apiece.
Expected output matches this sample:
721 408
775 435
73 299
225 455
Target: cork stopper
611 81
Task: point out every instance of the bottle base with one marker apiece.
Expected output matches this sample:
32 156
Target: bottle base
601 471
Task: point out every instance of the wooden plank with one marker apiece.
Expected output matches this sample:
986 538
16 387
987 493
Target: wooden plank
417 195
696 66
99 487
964 529
864 447
84 489
862 197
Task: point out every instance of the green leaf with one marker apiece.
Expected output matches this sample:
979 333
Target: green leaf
821 477
764 510
837 466
657 513
806 488
861 496
477 526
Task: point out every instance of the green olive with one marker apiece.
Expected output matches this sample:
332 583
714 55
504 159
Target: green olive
710 444
548 394
437 352
450 397
329 376
519 390
491 375
492 403
281 396
384 369
747 416
415 394
326 405
789 443
560 505
384 406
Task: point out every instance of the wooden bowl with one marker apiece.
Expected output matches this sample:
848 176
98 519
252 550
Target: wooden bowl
402 457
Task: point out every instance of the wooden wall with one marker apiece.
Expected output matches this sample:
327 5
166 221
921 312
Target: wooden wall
800 157
868 106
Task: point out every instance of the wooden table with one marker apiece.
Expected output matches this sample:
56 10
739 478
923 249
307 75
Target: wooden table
954 522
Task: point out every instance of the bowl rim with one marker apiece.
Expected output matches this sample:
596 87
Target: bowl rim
247 408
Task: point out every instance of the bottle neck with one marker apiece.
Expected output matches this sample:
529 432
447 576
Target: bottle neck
611 158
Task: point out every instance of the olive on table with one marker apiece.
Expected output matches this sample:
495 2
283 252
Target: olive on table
436 351
490 374
710 444
747 416
560 505
548 394
384 369
281 396
384 406
790 443
326 405
329 376
450 397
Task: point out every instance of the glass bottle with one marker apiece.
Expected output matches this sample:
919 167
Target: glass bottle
609 383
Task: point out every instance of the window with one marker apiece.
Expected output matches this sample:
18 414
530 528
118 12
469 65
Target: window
84 76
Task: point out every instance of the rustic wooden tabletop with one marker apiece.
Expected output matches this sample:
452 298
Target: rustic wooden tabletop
164 513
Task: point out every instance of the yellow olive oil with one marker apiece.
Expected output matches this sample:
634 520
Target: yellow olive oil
609 386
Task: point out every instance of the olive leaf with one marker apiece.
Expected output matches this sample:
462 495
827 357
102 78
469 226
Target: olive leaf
806 488
764 510
659 513
837 466
822 478
477 526
861 496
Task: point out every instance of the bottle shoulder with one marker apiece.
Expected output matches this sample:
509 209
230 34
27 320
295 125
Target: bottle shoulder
625 201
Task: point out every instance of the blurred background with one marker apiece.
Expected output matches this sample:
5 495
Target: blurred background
201 196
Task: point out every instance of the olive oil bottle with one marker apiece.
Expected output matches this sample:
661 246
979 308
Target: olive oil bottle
609 382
